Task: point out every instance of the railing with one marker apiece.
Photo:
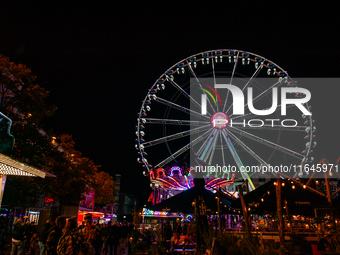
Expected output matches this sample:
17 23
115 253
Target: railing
310 235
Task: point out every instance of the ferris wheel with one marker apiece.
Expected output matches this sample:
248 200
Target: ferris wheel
189 116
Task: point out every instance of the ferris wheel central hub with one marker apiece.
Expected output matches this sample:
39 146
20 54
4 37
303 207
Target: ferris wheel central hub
219 120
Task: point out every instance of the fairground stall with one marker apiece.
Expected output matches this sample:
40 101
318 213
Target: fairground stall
154 219
101 215
9 166
96 216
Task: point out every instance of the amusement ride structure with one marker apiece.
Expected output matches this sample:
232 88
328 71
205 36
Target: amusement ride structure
177 130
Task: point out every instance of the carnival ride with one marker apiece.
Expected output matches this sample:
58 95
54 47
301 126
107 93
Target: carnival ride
174 133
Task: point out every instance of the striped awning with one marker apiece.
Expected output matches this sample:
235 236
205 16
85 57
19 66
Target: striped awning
9 166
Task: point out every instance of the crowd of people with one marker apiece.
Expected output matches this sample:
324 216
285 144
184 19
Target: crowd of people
25 237
180 235
66 237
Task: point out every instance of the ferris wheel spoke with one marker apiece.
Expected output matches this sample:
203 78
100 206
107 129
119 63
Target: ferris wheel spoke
258 69
180 108
235 65
246 148
183 149
222 151
197 80
231 79
175 122
204 145
175 136
214 78
238 161
213 147
267 143
209 146
185 94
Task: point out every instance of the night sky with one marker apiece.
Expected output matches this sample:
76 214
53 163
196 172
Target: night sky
98 61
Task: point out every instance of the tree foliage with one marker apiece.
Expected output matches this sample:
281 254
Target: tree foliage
20 97
73 172
104 187
24 101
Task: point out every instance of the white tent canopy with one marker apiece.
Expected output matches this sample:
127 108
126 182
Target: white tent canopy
9 166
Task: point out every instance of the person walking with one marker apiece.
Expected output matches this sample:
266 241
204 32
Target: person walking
91 232
31 229
17 237
124 231
25 242
103 234
82 225
43 237
53 236
167 231
72 242
106 244
113 238
34 243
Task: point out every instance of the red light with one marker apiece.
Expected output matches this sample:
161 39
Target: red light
49 200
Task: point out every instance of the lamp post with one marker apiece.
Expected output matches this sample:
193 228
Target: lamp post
279 211
244 209
219 213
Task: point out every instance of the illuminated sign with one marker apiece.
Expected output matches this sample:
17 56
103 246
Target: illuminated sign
49 200
111 216
150 213
147 212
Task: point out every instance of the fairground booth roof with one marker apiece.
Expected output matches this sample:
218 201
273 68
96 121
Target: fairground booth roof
299 199
9 166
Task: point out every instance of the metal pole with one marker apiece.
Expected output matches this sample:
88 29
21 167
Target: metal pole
279 211
244 209
288 216
2 186
198 241
135 216
329 194
329 199
219 214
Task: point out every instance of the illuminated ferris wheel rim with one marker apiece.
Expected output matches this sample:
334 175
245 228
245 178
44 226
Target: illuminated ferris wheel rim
190 63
